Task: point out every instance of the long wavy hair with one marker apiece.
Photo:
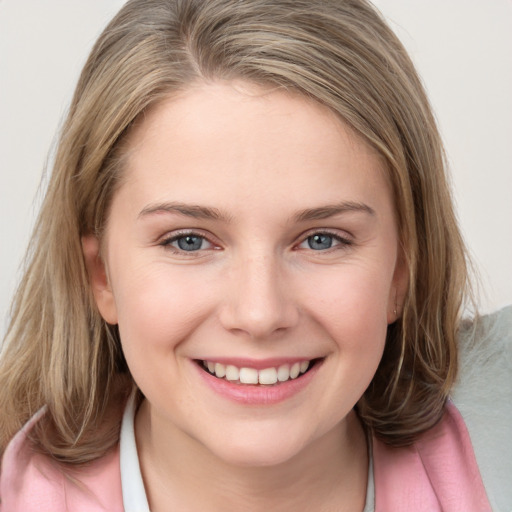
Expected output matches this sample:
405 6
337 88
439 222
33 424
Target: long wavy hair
59 352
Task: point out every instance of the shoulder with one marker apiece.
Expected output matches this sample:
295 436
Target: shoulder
483 395
28 480
437 472
487 342
483 391
31 481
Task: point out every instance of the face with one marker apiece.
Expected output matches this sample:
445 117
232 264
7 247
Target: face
250 260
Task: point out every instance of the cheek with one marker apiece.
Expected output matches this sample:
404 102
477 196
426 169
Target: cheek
158 308
351 305
355 293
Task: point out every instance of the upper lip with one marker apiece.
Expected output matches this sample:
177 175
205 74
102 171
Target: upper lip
257 364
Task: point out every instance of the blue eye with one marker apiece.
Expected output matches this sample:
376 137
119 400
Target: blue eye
187 242
323 241
320 241
190 242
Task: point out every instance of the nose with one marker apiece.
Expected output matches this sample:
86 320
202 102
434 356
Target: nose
258 301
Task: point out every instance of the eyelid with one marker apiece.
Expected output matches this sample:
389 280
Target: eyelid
345 241
166 241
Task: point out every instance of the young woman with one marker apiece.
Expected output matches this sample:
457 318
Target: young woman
246 279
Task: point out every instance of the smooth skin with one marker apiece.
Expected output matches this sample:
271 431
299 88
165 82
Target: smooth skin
249 223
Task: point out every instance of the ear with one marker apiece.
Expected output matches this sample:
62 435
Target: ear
398 289
98 279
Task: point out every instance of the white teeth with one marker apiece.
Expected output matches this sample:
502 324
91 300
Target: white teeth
283 373
295 370
232 372
268 376
248 376
220 370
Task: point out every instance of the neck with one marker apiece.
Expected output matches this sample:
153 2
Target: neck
180 473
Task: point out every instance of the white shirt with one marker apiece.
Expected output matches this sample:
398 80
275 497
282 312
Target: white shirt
134 494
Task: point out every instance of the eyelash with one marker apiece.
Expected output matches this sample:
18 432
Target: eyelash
342 242
166 243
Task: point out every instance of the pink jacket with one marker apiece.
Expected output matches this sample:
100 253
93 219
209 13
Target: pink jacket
437 473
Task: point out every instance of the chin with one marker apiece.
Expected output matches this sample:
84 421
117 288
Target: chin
255 456
263 448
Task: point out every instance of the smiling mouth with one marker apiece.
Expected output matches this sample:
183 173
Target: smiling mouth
266 377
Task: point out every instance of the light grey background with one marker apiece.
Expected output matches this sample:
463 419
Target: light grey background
462 48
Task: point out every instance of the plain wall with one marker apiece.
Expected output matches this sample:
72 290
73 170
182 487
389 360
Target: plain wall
463 51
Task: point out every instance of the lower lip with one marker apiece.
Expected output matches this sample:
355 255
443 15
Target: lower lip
250 394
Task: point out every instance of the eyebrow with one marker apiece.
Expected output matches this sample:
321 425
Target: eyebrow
325 212
204 212
187 210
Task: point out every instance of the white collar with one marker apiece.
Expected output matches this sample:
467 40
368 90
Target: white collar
134 494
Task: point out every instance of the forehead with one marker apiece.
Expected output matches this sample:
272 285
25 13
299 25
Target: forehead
239 139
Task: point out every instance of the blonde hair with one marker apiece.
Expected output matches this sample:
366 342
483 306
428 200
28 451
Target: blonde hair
59 352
